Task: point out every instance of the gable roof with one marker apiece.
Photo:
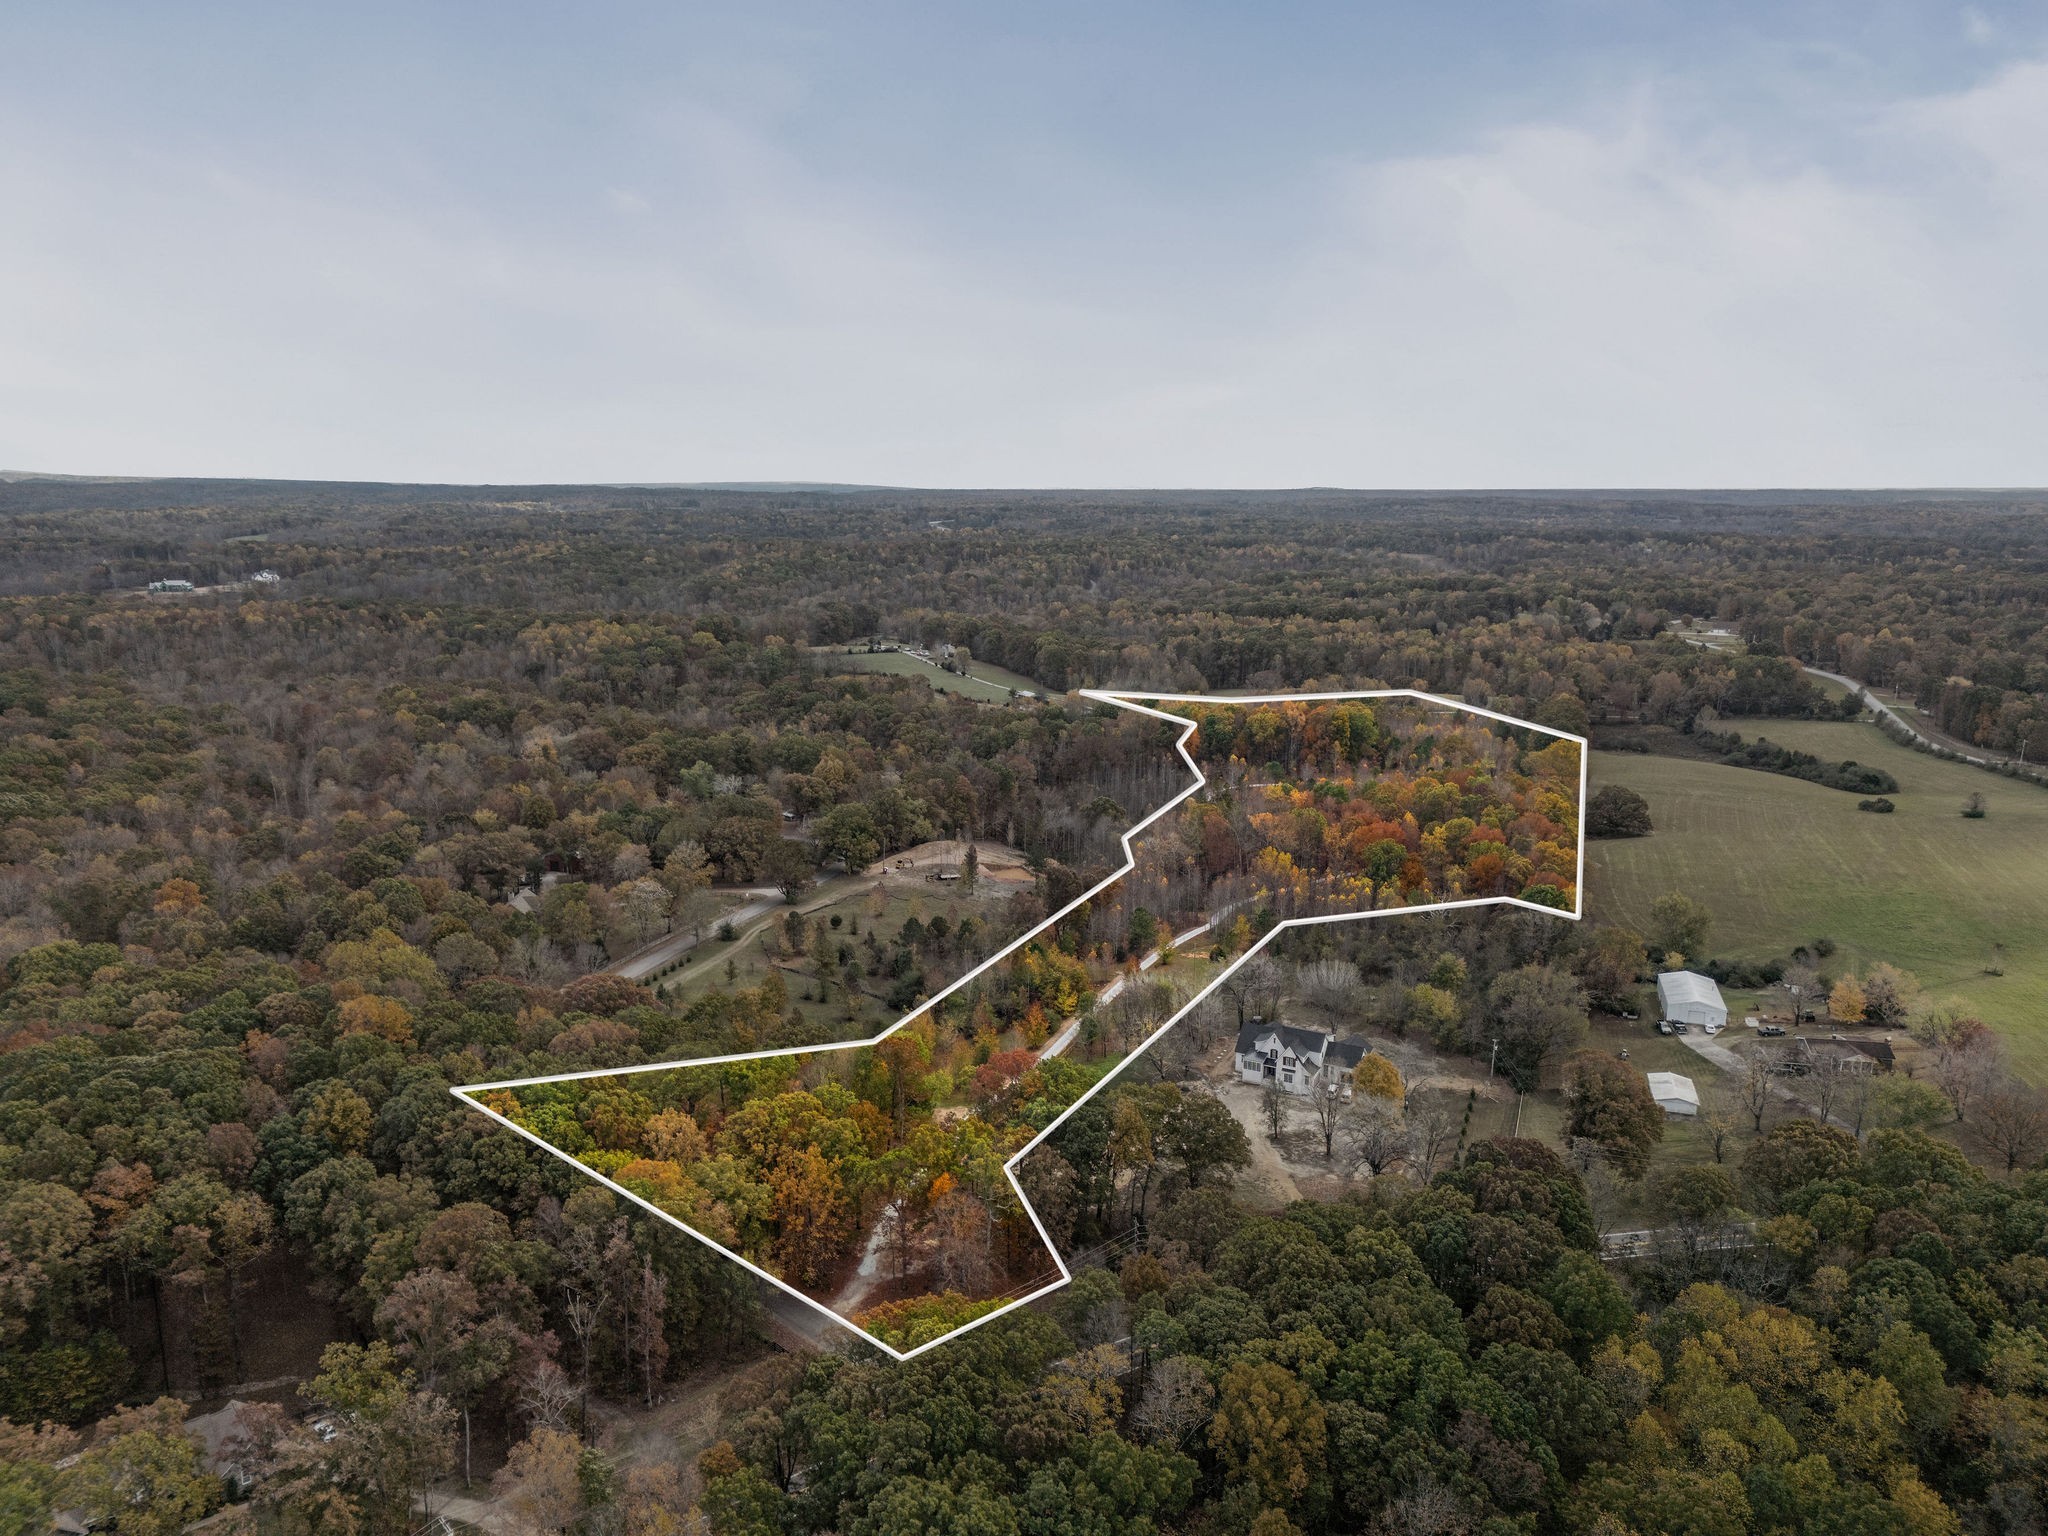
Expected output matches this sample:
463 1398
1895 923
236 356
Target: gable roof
1688 987
1349 1052
1311 1044
1303 1042
1841 1046
1672 1088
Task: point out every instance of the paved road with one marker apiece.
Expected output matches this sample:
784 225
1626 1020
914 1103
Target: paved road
1948 748
1065 1037
658 955
1910 728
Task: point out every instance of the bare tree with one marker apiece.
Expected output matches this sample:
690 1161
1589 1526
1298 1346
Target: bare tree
1831 1072
1138 1009
1802 985
2013 1120
547 1396
1717 1121
1130 1015
1253 989
1171 1058
1585 1154
1604 1193
1753 1090
1427 1509
1857 1093
1329 984
582 1310
1378 1139
1177 1402
695 910
1205 1022
1328 1112
1433 1123
1968 1058
649 1331
645 906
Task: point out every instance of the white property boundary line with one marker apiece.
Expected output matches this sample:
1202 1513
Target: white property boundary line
1122 700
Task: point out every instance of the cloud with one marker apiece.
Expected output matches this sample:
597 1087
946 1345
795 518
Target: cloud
1637 302
1642 294
1568 305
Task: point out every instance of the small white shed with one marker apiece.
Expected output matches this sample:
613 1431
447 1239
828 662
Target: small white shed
1686 997
1675 1095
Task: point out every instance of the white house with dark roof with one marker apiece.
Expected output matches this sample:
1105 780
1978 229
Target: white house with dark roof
1297 1061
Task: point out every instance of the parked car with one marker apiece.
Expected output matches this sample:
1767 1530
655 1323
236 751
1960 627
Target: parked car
1664 1027
1770 1030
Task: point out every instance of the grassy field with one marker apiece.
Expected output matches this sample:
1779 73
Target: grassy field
991 684
1780 862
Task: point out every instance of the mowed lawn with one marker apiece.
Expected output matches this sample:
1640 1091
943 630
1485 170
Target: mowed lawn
1780 862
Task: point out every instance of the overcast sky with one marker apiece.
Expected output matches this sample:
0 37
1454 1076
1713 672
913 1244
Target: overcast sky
1584 243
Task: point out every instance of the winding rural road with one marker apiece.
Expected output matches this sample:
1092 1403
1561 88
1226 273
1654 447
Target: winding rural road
1065 1037
1909 727
657 955
1946 748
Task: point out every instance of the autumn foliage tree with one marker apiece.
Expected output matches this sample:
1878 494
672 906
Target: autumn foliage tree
1608 1103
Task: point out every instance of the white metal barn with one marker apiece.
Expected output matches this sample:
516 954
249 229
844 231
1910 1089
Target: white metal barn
1686 997
1675 1095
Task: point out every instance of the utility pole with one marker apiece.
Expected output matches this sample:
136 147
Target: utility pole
1493 1056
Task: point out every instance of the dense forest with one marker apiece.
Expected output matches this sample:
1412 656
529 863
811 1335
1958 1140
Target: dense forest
282 861
804 1164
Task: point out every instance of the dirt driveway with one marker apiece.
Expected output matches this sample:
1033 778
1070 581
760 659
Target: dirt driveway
1267 1182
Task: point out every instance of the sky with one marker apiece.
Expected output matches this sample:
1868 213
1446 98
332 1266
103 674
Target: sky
1549 243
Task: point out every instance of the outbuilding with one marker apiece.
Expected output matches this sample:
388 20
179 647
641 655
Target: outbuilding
1675 1095
1686 997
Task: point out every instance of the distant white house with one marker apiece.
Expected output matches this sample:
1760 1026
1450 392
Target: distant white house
1297 1061
1686 997
529 901
1675 1095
